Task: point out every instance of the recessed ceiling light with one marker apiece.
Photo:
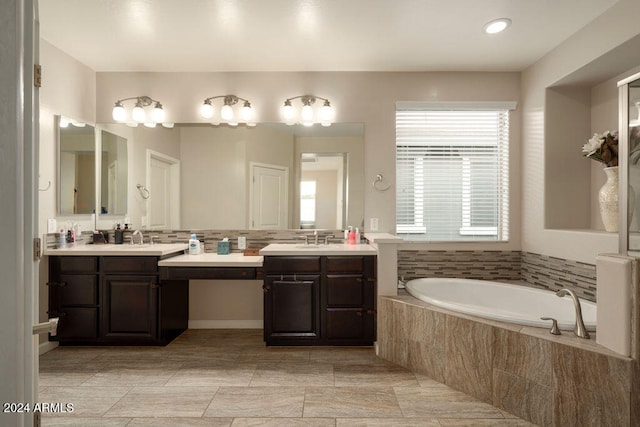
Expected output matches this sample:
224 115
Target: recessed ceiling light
496 26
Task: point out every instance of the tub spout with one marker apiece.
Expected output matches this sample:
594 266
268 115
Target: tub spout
579 330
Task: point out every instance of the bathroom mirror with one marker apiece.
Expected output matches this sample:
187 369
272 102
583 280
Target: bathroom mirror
76 167
238 177
631 92
113 174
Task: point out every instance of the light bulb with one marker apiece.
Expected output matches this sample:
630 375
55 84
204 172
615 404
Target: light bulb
288 113
326 113
307 113
158 113
307 123
118 113
251 124
150 124
226 112
138 114
233 124
78 124
497 25
168 125
246 112
206 110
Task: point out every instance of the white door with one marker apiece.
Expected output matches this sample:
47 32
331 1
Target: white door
163 184
269 197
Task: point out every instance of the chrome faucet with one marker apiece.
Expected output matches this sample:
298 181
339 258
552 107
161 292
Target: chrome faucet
141 237
579 330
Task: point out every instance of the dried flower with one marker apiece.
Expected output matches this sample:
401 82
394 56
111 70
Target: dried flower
603 148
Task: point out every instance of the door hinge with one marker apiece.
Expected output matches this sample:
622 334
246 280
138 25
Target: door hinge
37 75
37 249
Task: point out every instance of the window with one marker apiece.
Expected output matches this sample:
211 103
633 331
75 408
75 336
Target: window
452 166
307 202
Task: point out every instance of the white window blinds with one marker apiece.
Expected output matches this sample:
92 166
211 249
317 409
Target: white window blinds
452 173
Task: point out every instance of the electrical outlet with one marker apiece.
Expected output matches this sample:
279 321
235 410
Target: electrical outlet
373 224
242 242
52 225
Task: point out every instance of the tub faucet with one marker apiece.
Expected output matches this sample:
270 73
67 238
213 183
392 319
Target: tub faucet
141 237
579 330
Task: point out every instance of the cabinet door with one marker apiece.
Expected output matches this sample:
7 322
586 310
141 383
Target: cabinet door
291 308
76 323
130 307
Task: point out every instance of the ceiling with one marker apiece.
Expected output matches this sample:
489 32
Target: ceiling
310 35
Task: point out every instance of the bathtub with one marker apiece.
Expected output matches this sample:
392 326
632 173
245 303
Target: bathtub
500 301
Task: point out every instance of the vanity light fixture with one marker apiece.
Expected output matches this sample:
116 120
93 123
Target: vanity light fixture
227 115
496 26
307 114
636 122
138 113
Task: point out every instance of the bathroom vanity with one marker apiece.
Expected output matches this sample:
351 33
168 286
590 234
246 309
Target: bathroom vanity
319 294
113 295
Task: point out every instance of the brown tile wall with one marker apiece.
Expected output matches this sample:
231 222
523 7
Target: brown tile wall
525 268
555 381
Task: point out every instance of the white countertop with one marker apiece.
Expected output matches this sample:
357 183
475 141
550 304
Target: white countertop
383 238
158 249
212 260
331 249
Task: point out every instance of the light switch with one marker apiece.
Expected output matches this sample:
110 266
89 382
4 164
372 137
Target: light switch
242 242
373 224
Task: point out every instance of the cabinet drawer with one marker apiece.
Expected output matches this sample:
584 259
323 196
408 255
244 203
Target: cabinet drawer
74 289
345 324
292 264
129 264
76 264
345 264
345 291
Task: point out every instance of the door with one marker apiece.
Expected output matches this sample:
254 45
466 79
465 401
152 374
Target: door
291 309
269 197
163 197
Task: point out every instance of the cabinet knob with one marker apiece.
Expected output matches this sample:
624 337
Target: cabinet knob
266 288
155 285
359 313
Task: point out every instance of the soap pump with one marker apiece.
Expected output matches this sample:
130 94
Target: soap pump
194 245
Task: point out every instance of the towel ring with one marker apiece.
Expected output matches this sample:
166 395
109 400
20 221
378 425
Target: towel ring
144 193
379 184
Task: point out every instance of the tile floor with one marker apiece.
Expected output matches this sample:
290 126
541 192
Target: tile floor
229 378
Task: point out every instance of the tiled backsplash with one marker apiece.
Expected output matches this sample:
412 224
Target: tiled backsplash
527 268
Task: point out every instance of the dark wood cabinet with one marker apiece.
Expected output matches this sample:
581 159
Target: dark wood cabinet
320 300
115 300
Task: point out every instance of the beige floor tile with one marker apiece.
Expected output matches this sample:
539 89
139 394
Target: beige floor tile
373 375
484 422
213 374
336 402
48 421
345 355
63 378
257 402
293 374
283 422
387 422
182 422
87 401
440 402
138 376
165 402
274 354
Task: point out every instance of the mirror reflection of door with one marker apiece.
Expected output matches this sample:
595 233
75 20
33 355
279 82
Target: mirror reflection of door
323 190
269 196
163 185
76 189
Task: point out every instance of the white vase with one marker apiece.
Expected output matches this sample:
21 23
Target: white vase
609 203
608 197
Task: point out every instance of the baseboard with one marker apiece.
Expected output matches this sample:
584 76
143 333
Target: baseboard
46 347
225 324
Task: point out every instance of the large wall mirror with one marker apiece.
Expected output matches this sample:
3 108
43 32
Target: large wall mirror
76 167
199 176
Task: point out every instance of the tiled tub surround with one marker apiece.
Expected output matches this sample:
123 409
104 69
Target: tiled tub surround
524 268
548 380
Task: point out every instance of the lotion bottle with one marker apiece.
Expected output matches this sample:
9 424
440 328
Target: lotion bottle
357 236
352 236
194 245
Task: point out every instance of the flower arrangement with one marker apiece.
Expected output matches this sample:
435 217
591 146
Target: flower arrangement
603 148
